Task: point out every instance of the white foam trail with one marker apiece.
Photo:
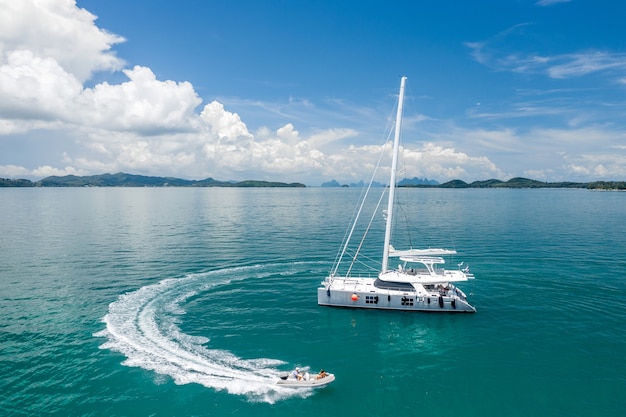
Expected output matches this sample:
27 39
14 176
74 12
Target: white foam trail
142 325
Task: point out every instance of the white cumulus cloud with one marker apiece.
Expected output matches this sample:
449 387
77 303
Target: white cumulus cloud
34 87
59 30
49 49
142 104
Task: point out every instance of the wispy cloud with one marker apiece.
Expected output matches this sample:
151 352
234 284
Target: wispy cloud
518 112
496 53
579 64
551 2
488 52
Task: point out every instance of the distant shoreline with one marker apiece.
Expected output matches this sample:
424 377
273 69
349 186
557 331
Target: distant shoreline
130 180
519 182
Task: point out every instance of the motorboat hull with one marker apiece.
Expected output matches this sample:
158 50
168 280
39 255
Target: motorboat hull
310 382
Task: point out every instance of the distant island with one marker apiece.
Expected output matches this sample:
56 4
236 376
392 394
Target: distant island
517 182
407 182
128 180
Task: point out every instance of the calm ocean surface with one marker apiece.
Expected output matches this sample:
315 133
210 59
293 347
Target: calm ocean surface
190 302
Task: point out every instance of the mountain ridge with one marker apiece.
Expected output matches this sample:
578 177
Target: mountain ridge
131 180
122 179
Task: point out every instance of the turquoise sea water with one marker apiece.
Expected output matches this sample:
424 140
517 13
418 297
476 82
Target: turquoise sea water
189 302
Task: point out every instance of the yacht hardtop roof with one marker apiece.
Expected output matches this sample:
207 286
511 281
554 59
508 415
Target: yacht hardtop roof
419 252
428 260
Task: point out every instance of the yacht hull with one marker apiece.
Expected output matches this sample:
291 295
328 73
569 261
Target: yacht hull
362 293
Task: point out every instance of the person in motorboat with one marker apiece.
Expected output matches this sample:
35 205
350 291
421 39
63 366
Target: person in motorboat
322 374
296 374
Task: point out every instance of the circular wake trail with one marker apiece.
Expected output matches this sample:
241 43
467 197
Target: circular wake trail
143 326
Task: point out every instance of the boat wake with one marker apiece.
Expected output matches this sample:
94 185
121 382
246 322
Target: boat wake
143 326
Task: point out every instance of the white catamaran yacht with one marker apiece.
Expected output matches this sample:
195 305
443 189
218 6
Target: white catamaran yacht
419 283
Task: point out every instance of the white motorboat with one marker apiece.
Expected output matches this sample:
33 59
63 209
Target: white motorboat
305 380
420 283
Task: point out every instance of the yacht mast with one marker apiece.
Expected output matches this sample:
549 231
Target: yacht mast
392 180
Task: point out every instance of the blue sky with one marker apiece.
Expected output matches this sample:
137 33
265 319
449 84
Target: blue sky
304 90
